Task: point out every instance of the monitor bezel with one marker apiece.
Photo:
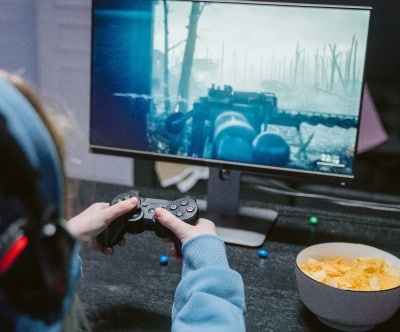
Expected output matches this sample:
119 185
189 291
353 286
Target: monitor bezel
317 177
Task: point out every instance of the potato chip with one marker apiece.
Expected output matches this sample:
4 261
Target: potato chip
362 274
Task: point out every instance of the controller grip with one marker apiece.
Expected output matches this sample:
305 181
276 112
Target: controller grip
113 233
116 230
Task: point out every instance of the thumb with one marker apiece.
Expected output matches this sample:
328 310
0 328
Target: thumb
116 210
171 222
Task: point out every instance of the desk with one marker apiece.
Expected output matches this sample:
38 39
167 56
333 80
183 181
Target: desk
131 291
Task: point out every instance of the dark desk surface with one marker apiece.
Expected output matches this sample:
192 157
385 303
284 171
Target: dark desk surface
131 291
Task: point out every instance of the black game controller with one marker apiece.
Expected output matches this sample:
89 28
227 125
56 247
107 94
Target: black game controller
142 218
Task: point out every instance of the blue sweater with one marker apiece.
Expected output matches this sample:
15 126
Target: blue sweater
210 295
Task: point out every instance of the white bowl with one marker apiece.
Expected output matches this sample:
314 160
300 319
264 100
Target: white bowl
346 310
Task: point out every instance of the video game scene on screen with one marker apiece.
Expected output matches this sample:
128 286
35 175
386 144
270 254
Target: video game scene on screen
188 79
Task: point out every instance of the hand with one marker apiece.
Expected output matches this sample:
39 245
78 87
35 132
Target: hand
96 218
182 230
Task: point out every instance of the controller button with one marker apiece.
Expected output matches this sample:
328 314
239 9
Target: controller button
179 214
151 210
190 209
173 207
145 204
184 202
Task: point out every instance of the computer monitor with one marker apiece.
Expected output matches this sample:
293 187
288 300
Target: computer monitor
266 87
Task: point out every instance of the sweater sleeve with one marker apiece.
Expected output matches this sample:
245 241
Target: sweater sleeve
210 295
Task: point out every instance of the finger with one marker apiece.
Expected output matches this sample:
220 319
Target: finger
206 226
173 251
167 219
205 223
122 242
100 205
108 251
116 210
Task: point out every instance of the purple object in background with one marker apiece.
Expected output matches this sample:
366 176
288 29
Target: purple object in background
372 133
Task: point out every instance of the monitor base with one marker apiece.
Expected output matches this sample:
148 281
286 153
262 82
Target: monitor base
241 237
249 227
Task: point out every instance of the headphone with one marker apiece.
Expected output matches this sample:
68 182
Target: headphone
35 248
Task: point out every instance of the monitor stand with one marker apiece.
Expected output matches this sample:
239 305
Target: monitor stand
241 225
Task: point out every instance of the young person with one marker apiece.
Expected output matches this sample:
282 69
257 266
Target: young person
39 251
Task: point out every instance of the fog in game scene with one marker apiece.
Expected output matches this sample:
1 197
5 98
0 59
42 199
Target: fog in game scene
244 83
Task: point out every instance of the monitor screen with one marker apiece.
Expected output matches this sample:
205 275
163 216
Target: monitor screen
244 84
248 85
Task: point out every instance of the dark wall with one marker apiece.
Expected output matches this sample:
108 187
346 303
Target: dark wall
383 62
379 168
